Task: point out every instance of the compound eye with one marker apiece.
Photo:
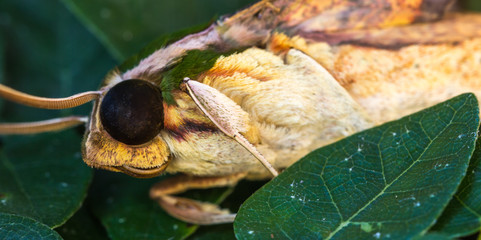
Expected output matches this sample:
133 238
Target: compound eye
132 111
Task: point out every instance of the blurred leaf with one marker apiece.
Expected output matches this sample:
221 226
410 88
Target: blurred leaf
2 59
391 181
2 63
43 177
472 5
124 33
82 226
23 228
47 53
463 214
123 205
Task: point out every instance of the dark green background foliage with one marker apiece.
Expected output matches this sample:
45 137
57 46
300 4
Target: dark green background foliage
58 48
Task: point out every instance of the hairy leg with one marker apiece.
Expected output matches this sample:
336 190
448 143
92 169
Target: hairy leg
189 210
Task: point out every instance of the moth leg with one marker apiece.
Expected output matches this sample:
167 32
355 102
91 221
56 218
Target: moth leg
190 210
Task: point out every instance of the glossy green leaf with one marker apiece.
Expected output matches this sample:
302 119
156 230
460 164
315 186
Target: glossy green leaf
123 206
118 23
391 181
463 214
43 177
13 227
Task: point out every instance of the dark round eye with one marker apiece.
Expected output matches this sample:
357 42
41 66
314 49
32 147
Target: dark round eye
132 112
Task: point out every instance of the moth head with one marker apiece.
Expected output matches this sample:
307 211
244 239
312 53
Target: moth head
124 130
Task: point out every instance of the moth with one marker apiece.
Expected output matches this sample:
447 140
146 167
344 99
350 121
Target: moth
254 92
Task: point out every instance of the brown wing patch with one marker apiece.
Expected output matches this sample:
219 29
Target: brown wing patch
338 15
390 84
452 29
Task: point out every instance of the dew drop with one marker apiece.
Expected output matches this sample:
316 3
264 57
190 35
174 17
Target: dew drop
377 235
366 227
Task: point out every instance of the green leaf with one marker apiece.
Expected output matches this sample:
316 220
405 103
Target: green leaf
50 184
123 206
217 232
82 226
390 181
463 214
433 236
126 26
14 227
